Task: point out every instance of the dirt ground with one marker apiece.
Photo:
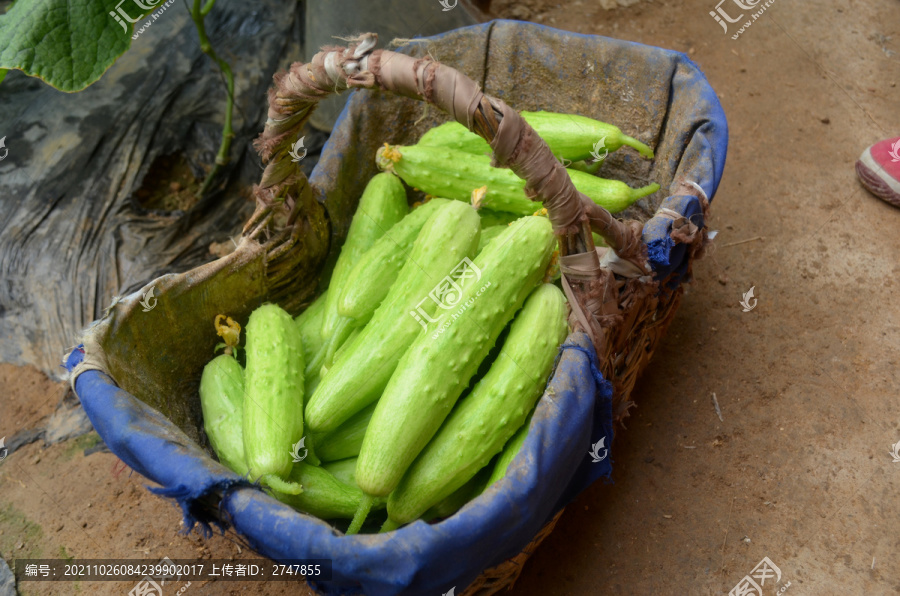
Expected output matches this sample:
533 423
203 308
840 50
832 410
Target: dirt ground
798 467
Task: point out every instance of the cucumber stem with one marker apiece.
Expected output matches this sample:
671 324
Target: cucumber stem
643 149
389 526
362 512
640 193
282 486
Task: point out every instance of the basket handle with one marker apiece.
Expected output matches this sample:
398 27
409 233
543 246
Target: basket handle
514 143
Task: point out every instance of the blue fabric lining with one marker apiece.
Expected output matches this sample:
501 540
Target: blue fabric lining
575 412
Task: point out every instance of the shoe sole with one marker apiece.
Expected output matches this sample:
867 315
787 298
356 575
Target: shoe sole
875 184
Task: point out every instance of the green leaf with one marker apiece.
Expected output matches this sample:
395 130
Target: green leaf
3 72
68 44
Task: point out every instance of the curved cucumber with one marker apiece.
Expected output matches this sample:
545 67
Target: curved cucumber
273 392
488 234
454 174
383 204
350 336
569 136
347 439
453 503
509 453
371 279
344 470
490 414
309 322
359 376
437 367
323 495
221 399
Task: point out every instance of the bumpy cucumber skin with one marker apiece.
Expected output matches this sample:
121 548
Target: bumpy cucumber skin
569 136
221 399
455 136
490 414
383 204
359 376
444 172
437 367
376 271
309 323
273 391
323 495
509 453
454 174
347 439
612 195
572 137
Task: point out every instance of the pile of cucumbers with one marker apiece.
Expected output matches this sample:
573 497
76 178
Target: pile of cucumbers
406 388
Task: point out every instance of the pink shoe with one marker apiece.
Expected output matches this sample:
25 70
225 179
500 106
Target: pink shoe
878 169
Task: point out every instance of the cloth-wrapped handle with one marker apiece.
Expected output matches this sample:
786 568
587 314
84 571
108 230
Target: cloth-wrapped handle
514 143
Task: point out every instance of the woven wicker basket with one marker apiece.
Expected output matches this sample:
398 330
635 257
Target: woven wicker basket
143 402
624 316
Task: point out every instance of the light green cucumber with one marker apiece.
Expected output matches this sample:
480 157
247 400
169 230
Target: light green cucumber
309 322
346 440
221 400
510 451
273 395
377 270
437 367
350 337
383 204
490 218
490 414
575 137
569 136
453 503
488 234
323 494
359 376
343 469
454 174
